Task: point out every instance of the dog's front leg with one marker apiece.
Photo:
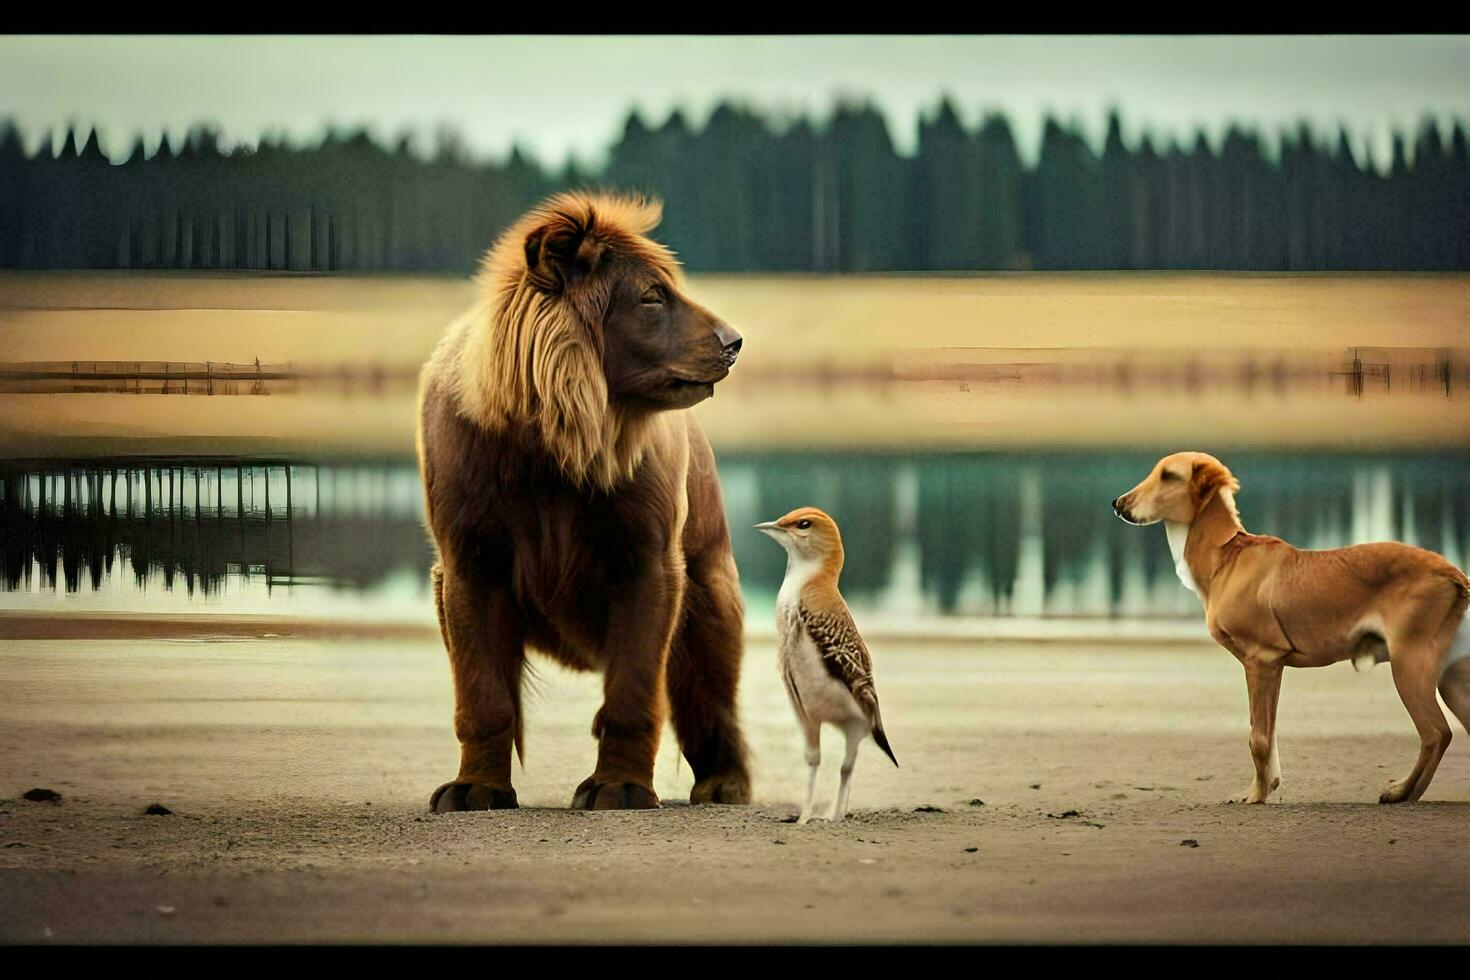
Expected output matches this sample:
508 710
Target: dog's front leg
1263 684
641 619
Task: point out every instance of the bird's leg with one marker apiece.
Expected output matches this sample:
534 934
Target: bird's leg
813 761
854 739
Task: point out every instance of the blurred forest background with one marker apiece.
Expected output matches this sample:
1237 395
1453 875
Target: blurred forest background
745 196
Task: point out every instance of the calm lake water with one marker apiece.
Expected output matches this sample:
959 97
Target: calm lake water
991 534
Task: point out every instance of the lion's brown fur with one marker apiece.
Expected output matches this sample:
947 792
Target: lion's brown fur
580 521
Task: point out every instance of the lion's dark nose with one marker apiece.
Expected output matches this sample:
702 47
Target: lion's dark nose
730 342
727 335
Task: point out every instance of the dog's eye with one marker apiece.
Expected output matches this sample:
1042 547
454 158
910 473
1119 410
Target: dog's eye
653 296
1167 475
803 525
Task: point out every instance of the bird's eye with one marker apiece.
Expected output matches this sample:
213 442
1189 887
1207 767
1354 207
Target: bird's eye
803 525
653 296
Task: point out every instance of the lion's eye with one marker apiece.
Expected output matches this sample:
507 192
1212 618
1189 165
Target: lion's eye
653 296
803 525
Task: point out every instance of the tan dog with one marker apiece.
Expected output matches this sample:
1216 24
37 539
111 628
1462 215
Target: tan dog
1274 606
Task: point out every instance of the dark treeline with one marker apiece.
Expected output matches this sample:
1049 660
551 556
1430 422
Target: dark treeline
742 195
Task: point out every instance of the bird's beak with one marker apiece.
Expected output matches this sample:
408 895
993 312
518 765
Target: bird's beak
772 529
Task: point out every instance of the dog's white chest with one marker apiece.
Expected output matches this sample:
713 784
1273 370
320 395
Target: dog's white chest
1178 533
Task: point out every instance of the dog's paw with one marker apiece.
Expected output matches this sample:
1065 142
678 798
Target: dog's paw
1395 792
1252 794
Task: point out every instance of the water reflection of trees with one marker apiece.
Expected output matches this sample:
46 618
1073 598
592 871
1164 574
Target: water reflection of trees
991 533
195 524
969 524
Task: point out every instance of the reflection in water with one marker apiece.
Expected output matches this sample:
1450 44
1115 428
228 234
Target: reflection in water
201 522
980 534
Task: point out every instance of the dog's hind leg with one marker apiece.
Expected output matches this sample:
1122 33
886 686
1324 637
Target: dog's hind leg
1454 674
1414 673
1454 687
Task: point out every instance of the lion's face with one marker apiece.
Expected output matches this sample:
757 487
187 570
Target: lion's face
661 349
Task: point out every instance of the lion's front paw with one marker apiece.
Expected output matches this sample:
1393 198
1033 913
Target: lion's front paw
731 787
592 795
457 796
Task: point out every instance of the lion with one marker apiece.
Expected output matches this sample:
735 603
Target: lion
575 508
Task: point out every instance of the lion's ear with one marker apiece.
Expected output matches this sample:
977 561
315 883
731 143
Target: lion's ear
560 255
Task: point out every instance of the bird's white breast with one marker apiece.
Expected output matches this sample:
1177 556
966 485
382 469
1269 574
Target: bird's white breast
823 697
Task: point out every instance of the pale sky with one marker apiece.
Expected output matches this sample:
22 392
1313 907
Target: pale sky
559 95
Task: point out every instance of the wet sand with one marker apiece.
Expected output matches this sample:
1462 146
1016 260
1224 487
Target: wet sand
298 772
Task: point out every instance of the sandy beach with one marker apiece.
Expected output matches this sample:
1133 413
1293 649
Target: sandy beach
1048 792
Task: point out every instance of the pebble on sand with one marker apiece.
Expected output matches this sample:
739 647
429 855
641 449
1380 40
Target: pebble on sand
927 808
1189 842
40 795
158 810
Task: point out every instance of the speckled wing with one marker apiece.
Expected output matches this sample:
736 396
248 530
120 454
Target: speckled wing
843 652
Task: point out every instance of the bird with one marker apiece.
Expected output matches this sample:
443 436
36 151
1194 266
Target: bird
824 663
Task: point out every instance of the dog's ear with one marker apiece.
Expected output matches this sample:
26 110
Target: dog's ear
1208 474
562 253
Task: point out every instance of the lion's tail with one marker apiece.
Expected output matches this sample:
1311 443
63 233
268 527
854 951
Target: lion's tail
525 676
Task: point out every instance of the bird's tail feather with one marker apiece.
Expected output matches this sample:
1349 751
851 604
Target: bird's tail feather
880 737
